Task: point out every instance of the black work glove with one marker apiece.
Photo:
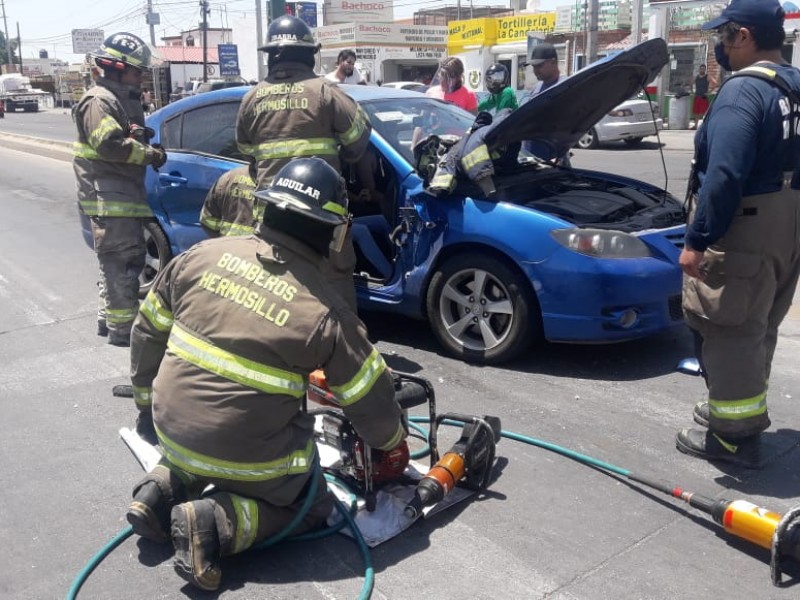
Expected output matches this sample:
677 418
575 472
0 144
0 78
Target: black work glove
156 156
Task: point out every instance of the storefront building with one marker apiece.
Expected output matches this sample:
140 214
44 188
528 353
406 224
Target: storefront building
385 51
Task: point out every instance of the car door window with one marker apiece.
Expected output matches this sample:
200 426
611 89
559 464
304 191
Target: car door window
210 130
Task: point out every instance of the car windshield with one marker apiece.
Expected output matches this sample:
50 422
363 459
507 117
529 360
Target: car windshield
405 121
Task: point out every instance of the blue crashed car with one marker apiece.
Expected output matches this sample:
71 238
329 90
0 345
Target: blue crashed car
567 255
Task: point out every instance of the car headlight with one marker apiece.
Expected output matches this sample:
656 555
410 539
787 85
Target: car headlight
623 112
601 243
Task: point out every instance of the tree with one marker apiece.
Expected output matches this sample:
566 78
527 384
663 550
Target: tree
3 51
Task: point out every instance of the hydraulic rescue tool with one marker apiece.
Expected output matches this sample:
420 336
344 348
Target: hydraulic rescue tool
468 462
361 466
470 459
780 534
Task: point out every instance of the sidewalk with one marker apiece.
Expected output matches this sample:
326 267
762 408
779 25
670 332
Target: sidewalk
677 139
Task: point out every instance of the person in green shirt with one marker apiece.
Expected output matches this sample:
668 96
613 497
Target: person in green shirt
500 93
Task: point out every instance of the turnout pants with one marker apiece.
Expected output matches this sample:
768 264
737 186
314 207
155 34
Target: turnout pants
120 248
249 516
750 278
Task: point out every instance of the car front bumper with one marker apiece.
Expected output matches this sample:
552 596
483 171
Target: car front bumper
610 132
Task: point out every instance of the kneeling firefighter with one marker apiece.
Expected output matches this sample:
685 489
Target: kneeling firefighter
223 344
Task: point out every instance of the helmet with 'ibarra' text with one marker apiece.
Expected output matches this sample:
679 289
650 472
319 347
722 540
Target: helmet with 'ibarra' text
289 32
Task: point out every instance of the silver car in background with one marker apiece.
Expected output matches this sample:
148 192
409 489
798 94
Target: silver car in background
631 122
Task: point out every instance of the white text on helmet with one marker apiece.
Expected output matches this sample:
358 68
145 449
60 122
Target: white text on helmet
291 184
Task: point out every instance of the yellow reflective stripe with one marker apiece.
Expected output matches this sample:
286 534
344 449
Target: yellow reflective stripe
143 396
247 149
355 389
736 410
443 181
228 228
356 129
119 316
154 311
209 221
105 208
396 438
107 126
732 448
138 155
202 465
293 148
481 153
84 151
246 523
231 366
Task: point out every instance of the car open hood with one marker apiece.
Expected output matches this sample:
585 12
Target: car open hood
558 117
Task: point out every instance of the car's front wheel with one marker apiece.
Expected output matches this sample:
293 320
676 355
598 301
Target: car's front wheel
589 140
157 257
481 310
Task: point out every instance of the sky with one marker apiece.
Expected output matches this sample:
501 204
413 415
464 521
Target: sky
48 24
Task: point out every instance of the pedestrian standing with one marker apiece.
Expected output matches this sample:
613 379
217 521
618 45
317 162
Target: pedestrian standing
741 256
110 158
346 71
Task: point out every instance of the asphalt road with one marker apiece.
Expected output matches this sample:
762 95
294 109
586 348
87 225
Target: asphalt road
546 528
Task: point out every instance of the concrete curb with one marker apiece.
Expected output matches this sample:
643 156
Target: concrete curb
35 145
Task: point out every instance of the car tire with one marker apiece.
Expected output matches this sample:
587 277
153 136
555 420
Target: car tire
589 140
157 257
510 318
633 141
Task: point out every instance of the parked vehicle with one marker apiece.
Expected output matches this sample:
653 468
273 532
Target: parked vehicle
16 92
563 254
629 122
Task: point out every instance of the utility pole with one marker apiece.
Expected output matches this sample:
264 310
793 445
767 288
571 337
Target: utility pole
591 29
19 49
636 24
260 35
205 11
5 27
150 22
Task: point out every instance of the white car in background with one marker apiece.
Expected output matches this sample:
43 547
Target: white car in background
631 122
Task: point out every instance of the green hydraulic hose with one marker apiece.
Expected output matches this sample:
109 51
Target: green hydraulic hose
347 516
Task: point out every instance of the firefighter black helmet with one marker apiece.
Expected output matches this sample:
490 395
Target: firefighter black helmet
496 78
309 187
123 49
289 32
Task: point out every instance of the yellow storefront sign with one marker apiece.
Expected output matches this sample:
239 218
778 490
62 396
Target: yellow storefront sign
480 32
515 29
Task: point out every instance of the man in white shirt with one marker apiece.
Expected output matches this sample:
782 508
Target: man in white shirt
346 71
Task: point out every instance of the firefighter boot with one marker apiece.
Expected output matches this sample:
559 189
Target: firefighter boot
744 452
119 338
102 328
149 512
145 428
197 543
700 413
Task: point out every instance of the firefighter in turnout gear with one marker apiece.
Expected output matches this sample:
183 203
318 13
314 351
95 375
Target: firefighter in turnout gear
741 256
110 158
295 113
229 207
221 353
